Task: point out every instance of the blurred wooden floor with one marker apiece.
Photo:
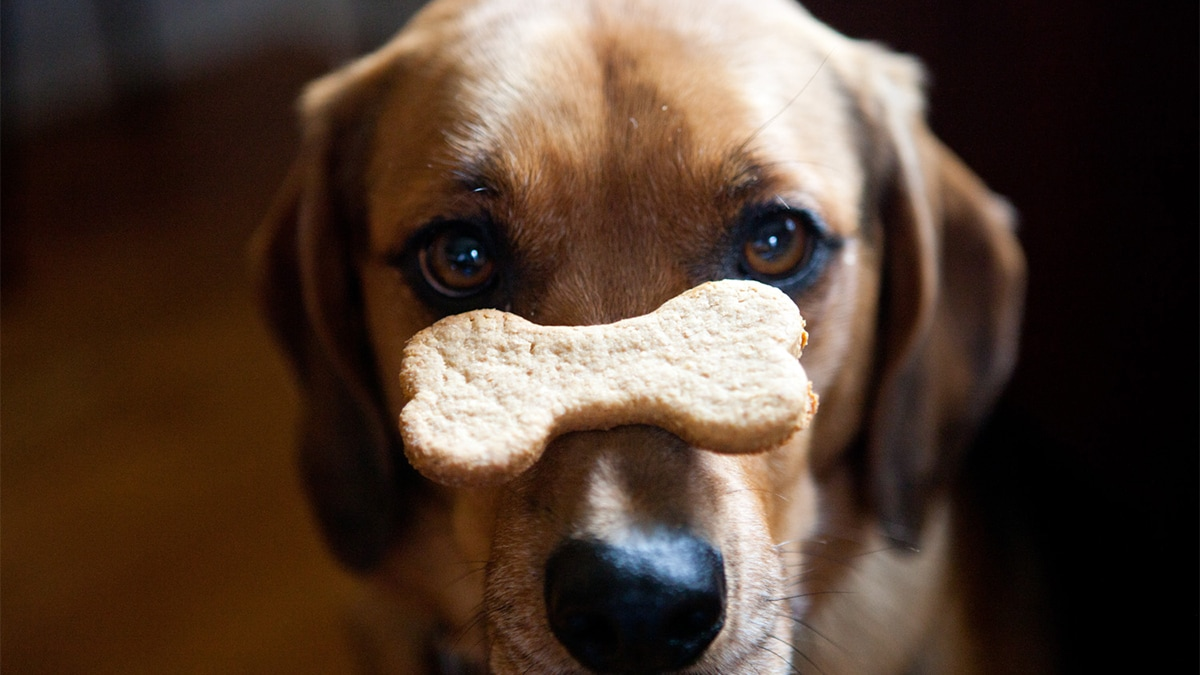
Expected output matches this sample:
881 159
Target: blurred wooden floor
151 518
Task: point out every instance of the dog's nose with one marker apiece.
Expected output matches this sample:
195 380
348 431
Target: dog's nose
650 604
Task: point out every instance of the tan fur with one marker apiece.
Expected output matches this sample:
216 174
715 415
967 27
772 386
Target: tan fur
617 141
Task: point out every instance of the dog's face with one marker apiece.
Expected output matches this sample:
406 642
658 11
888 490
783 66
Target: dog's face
580 164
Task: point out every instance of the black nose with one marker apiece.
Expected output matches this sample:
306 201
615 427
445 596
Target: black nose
652 603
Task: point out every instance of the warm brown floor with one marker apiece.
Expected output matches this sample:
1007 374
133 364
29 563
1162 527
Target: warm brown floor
152 522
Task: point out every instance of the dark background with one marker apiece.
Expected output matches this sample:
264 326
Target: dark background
150 519
1085 116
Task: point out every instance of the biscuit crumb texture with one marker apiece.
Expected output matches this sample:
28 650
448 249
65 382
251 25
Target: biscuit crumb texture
486 391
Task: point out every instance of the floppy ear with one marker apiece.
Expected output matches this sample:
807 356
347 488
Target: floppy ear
954 278
305 256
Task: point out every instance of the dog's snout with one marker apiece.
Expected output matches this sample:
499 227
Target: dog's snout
652 603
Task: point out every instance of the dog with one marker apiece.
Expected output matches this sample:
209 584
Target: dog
582 162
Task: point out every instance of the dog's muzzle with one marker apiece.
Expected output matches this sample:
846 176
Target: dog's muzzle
651 603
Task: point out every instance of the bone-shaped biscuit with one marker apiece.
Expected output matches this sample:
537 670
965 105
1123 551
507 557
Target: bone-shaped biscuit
718 366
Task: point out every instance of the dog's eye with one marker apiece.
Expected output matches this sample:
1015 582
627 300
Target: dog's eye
782 246
775 246
457 260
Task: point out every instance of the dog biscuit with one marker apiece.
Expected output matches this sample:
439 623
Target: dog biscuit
718 366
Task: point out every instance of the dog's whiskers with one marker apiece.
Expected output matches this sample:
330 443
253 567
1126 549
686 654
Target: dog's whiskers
807 626
808 594
776 654
810 548
477 618
475 567
794 650
799 578
455 636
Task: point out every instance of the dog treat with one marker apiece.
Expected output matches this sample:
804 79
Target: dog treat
718 366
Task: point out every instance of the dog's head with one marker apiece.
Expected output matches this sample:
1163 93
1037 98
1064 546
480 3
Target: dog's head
579 163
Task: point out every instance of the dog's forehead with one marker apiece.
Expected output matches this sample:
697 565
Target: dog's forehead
577 77
678 105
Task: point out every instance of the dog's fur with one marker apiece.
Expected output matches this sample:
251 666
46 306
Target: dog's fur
615 144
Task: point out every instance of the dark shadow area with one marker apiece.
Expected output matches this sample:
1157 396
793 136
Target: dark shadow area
152 516
1085 116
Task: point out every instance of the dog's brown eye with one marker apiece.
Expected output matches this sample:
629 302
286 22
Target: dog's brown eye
777 245
787 247
457 262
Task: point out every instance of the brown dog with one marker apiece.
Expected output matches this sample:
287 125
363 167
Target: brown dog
583 162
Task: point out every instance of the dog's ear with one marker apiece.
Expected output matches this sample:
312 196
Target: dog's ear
305 256
954 278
